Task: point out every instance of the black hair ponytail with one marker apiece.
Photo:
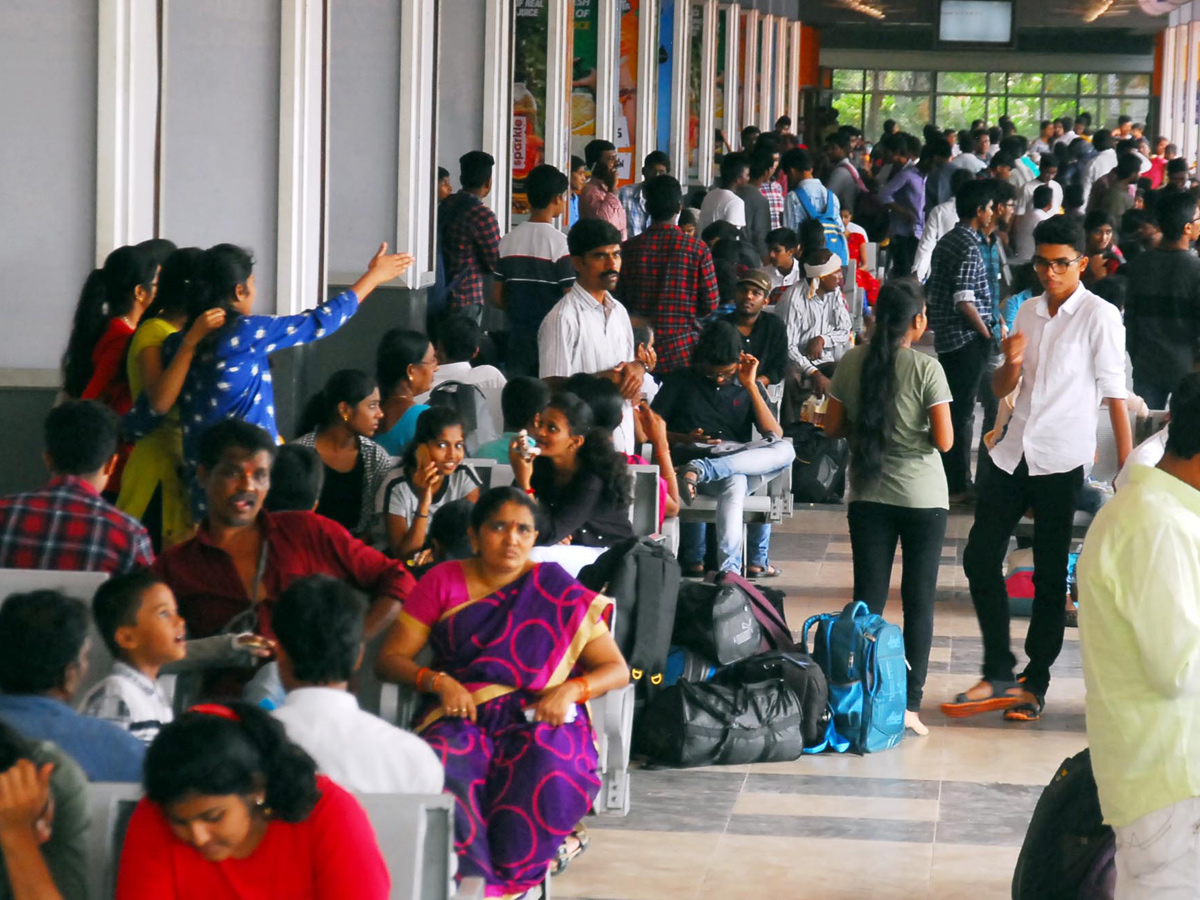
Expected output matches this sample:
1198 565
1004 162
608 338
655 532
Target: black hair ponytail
899 303
217 276
231 749
107 293
349 386
175 282
597 455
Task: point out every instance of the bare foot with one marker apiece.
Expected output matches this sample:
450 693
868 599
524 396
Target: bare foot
913 720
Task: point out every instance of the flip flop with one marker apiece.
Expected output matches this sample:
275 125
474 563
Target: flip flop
962 706
1026 710
769 572
564 856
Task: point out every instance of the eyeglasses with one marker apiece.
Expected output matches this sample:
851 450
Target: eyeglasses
1057 266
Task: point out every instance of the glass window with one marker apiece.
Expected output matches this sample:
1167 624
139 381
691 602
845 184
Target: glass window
962 82
910 111
1026 113
1112 108
903 81
1128 84
1057 107
850 109
1025 83
847 80
1062 84
1089 84
958 111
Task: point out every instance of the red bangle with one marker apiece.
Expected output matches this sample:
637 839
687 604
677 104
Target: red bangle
587 689
529 491
421 673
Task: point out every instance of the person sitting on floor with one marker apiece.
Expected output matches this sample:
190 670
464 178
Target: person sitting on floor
508 718
233 810
818 324
339 423
228 576
430 475
139 622
43 637
720 399
67 525
319 624
44 821
521 402
458 340
581 482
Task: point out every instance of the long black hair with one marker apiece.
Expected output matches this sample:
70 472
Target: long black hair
107 294
218 274
430 425
899 303
176 280
349 386
231 749
597 456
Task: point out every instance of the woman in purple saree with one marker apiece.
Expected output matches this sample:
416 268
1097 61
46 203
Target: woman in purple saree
518 649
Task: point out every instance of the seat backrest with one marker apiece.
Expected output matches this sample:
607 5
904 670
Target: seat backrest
78 585
110 804
502 475
645 508
484 469
416 835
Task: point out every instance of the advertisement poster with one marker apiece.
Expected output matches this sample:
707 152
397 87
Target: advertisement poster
666 64
530 38
720 142
695 64
627 70
584 74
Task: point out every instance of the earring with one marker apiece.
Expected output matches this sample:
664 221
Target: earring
261 805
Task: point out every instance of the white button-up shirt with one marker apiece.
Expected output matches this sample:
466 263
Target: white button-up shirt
1073 361
359 751
581 335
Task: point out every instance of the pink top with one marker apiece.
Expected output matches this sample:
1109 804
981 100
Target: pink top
441 588
331 855
596 201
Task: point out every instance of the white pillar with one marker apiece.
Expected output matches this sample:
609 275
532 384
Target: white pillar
126 124
793 86
608 54
647 81
750 83
416 166
782 69
679 89
705 152
733 24
497 104
557 119
766 84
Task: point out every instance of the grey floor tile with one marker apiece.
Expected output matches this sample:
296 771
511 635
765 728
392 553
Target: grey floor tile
835 827
987 814
839 785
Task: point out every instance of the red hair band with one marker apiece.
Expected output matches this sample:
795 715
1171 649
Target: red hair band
216 709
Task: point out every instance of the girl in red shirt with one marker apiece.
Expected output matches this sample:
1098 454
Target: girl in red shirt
235 811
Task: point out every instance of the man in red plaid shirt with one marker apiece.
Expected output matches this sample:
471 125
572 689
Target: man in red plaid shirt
470 235
667 277
67 525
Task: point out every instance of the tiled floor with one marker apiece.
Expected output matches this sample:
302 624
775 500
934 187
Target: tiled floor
937 818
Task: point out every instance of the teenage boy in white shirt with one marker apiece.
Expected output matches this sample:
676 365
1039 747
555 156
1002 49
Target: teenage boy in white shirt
318 624
1067 351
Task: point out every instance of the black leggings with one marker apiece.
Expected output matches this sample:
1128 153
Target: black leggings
874 530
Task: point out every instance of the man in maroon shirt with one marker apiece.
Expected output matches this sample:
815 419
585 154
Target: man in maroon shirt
243 558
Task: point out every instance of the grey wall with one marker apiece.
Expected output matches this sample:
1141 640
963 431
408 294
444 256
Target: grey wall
364 124
47 174
220 144
460 81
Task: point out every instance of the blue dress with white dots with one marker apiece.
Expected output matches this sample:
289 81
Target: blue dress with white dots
231 379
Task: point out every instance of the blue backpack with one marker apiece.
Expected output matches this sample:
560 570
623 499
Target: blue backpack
862 656
835 233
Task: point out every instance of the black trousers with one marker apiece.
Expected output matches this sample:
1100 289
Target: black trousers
903 252
1003 500
874 530
963 368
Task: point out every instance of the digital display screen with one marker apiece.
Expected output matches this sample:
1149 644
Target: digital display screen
975 21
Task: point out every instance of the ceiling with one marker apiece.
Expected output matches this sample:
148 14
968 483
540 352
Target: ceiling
1031 14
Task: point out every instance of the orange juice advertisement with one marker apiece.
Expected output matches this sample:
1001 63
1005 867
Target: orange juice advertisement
627 71
584 75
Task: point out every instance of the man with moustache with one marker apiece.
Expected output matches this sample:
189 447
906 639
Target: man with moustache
763 336
588 330
227 577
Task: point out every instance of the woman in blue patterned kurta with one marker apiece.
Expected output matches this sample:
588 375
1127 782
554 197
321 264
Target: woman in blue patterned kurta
230 376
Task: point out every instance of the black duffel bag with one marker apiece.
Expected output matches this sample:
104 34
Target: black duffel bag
800 673
707 724
716 621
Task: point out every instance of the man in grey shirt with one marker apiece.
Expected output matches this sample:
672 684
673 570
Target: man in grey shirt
758 210
843 179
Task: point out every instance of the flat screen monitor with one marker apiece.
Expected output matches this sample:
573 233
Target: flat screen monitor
975 22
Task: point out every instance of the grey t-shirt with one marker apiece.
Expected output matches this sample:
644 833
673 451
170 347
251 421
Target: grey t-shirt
912 468
401 500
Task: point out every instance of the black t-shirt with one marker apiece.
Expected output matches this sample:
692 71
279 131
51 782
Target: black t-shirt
342 495
1162 316
578 509
766 342
688 400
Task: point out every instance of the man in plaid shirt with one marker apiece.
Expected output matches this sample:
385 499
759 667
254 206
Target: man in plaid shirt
633 196
961 313
67 525
667 277
470 235
772 188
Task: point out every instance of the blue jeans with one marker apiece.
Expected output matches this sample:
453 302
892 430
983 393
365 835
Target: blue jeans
693 535
730 479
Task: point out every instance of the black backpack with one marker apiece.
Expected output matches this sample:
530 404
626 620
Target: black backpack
472 406
642 577
729 619
819 472
711 723
1068 850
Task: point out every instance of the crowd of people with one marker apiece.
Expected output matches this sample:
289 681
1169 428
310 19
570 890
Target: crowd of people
1059 282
